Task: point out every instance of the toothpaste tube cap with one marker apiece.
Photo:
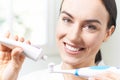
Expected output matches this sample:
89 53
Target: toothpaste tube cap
44 57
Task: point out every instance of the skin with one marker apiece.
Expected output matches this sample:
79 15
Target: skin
11 60
82 25
82 28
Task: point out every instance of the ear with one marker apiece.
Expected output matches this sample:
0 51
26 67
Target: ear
109 33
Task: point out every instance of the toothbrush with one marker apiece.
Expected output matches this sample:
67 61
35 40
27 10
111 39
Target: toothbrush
85 72
29 51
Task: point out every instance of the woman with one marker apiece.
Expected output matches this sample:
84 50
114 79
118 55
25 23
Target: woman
83 26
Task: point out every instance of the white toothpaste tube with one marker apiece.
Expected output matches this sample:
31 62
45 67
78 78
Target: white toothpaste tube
29 51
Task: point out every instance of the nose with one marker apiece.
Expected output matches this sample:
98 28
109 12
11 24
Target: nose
75 34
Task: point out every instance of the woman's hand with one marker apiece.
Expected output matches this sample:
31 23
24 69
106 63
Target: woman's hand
11 60
106 76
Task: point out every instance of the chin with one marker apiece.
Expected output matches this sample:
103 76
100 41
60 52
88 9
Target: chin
72 62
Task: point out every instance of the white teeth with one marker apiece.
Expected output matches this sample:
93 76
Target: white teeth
72 48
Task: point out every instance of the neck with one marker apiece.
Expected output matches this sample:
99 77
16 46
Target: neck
67 66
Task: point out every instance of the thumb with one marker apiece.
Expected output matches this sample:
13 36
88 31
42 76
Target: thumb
17 56
91 78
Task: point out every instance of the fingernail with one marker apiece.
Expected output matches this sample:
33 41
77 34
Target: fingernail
90 78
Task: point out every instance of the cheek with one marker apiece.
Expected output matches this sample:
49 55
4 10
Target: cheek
59 35
60 31
94 41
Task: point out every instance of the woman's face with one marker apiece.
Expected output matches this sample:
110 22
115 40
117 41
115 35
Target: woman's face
82 28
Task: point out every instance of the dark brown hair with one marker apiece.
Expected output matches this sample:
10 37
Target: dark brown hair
111 7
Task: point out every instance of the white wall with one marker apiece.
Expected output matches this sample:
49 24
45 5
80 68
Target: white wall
111 48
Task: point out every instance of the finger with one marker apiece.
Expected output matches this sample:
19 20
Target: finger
21 39
16 52
28 42
5 57
15 38
2 47
7 35
95 78
112 75
90 78
18 56
101 77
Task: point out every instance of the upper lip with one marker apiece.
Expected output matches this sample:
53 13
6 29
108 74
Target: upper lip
75 46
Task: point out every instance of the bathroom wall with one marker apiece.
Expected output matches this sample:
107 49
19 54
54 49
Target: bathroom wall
111 48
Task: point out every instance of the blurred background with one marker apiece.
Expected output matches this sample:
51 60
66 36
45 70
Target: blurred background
36 21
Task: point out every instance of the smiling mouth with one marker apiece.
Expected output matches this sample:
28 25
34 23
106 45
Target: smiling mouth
73 49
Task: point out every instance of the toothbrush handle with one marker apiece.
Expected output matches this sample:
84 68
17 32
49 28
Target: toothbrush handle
94 70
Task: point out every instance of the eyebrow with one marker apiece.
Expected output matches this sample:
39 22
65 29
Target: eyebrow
93 20
67 14
88 21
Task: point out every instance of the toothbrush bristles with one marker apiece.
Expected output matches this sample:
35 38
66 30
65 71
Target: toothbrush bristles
51 67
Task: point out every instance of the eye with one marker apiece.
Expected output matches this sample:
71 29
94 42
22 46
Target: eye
67 20
90 28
